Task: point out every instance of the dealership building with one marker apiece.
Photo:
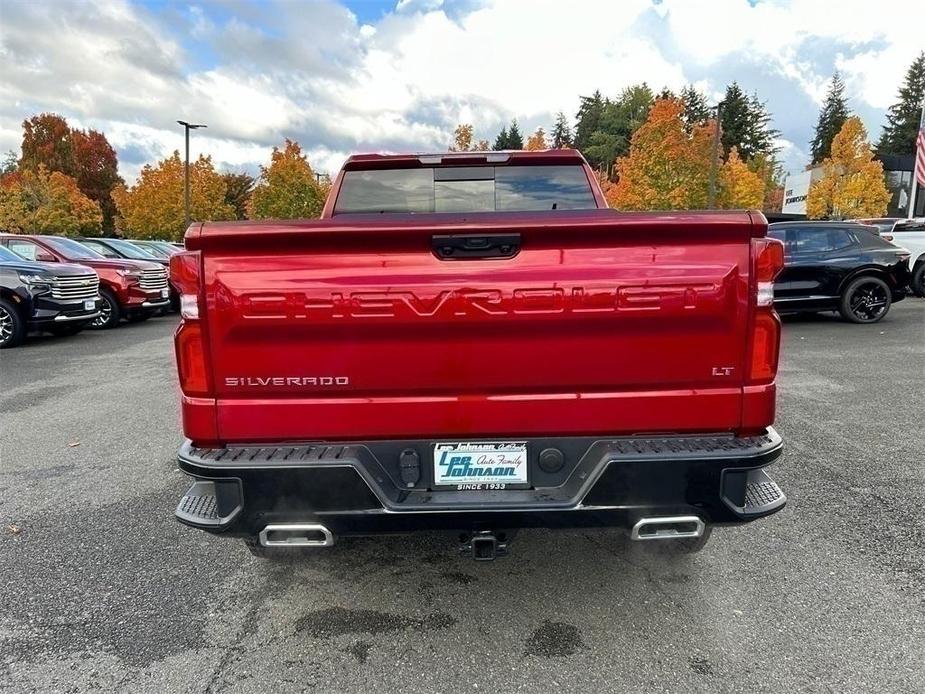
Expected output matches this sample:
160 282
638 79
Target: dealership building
897 170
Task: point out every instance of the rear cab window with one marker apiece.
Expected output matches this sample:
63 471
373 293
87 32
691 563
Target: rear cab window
488 188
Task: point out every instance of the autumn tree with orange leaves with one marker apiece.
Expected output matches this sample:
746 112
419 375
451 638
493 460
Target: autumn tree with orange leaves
464 140
537 141
84 155
668 167
739 187
287 188
153 208
40 201
852 183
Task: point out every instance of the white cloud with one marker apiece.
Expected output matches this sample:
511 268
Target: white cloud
785 32
311 72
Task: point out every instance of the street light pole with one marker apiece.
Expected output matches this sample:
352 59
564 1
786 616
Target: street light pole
714 156
187 127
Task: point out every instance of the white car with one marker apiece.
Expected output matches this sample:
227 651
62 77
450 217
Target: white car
910 234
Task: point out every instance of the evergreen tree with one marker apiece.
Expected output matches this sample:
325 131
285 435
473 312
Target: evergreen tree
514 139
561 132
746 124
903 117
761 135
735 119
588 119
832 117
696 109
501 141
619 120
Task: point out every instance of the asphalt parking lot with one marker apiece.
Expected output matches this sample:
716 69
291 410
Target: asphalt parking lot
103 591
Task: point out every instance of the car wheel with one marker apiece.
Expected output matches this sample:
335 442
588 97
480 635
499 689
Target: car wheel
865 300
918 280
109 312
12 328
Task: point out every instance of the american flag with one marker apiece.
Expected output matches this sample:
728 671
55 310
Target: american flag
920 153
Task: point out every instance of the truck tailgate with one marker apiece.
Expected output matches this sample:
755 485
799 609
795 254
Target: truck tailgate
602 323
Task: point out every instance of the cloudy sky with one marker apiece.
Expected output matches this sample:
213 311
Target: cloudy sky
397 75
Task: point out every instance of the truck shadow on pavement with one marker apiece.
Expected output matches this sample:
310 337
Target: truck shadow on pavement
420 585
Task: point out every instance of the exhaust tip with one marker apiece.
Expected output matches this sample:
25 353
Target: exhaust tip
668 528
296 535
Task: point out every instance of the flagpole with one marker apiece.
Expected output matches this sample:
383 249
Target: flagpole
913 199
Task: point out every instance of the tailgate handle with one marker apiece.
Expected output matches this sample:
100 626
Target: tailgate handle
468 246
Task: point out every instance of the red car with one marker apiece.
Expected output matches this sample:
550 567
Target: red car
133 289
472 342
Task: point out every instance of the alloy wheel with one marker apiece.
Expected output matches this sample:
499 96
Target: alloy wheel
869 301
6 326
105 313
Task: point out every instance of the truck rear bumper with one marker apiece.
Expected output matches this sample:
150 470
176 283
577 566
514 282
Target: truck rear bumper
359 489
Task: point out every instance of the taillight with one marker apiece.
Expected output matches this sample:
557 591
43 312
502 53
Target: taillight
191 362
765 345
184 274
768 257
764 342
190 339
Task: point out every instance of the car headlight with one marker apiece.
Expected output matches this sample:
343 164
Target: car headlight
33 279
130 274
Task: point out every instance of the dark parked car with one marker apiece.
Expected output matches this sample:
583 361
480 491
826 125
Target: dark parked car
839 266
61 299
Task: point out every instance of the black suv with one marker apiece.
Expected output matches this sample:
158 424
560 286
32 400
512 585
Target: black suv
59 298
839 266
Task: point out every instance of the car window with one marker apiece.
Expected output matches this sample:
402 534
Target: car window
779 234
809 240
100 248
168 248
130 250
71 249
23 248
840 238
7 255
466 189
154 250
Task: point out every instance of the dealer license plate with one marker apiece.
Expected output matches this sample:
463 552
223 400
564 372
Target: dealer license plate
481 465
165 292
89 304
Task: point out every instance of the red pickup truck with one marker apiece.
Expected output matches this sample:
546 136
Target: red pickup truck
473 342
